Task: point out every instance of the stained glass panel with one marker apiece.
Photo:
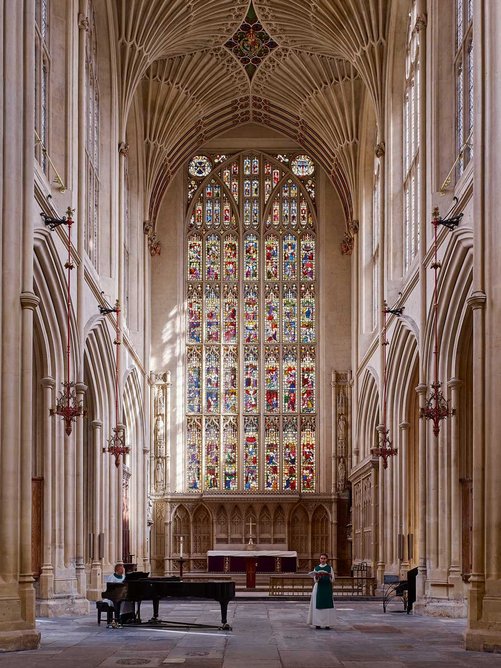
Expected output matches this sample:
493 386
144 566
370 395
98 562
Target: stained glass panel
289 380
230 246
308 454
251 379
251 258
272 453
271 373
227 218
289 258
194 380
251 443
193 452
302 165
198 217
212 380
211 453
212 257
230 440
290 453
289 314
272 305
199 166
271 263
195 258
308 380
277 364
247 212
194 314
230 311
230 375
212 307
307 314
251 317
308 258
208 213
275 219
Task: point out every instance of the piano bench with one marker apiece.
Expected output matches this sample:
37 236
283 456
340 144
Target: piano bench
102 606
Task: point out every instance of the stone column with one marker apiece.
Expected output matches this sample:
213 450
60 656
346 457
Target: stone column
455 508
83 26
47 575
96 571
421 475
29 301
17 609
81 389
403 453
482 628
381 565
484 597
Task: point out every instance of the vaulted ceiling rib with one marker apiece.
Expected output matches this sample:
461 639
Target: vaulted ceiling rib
330 53
153 29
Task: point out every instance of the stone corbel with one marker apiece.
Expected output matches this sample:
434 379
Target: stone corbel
154 245
348 243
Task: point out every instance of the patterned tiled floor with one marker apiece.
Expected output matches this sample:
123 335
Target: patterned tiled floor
265 634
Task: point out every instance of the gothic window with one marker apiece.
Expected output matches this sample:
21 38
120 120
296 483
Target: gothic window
42 64
463 65
92 139
251 323
411 141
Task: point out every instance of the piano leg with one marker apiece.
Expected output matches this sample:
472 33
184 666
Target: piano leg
224 615
156 603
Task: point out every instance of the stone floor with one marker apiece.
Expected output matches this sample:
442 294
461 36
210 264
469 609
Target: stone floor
266 634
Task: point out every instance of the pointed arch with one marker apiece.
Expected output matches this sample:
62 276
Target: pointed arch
202 540
368 414
236 526
222 525
279 526
264 526
299 531
181 525
320 531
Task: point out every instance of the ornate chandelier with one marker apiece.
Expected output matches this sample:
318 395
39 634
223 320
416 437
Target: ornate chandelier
384 448
116 442
68 406
437 407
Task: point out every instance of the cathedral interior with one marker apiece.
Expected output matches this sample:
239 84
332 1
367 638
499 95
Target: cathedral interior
248 295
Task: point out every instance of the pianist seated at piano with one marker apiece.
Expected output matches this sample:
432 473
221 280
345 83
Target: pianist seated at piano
127 607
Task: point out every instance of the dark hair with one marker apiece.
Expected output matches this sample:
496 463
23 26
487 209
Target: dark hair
324 554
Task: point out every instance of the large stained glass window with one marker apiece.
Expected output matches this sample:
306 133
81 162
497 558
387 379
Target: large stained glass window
251 324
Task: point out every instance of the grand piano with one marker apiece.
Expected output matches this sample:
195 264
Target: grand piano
138 587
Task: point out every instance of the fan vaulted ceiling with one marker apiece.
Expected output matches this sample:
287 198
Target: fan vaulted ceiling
325 55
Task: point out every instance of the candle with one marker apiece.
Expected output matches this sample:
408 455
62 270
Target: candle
181 547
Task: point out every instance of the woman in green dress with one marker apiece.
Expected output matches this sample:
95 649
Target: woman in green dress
321 612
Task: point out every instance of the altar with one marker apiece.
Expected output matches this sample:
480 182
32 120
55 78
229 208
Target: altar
267 561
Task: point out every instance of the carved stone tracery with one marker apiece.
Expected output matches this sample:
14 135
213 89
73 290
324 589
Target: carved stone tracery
160 455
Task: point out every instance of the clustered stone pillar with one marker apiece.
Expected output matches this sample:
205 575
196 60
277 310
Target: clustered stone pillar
17 597
341 451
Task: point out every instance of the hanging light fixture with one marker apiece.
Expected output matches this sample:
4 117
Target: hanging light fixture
116 442
384 448
68 406
437 407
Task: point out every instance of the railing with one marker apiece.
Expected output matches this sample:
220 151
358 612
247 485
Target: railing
301 586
